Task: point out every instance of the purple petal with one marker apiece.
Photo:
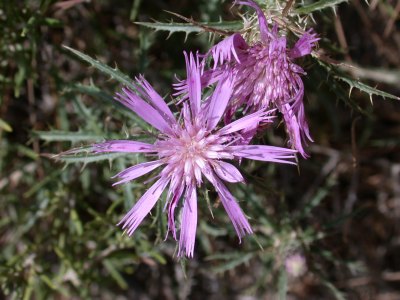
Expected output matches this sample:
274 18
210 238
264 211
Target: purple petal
189 223
247 134
264 153
219 101
193 82
154 98
239 220
143 110
123 146
137 213
171 210
208 78
251 120
137 171
304 45
297 129
303 125
228 47
228 172
262 20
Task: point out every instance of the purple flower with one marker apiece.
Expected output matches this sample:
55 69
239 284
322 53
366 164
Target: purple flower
296 265
264 76
189 149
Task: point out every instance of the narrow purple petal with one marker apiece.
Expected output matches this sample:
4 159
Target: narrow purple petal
247 121
123 146
193 82
248 134
137 171
208 77
306 136
219 101
187 237
143 110
137 213
294 129
264 153
304 45
171 209
156 100
228 172
262 20
228 47
239 220
186 115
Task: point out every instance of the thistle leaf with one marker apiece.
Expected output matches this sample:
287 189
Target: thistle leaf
187 28
319 5
112 72
66 136
365 88
354 83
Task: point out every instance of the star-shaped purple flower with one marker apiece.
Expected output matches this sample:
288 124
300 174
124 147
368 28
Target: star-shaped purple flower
189 149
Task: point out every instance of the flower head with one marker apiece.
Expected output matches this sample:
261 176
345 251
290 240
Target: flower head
296 265
189 149
264 76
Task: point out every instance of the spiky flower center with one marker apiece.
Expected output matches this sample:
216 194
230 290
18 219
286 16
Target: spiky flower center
266 74
192 150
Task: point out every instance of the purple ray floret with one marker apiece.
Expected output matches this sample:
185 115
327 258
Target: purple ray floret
189 149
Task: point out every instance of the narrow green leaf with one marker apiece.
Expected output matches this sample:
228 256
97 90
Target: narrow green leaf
76 222
98 94
52 22
338 294
319 5
233 263
314 202
365 88
36 187
115 274
67 136
354 83
135 9
48 282
5 126
187 28
87 157
282 284
158 257
113 73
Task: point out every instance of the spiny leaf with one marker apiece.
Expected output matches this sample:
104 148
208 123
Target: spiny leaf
354 83
319 5
113 73
187 28
365 88
69 136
